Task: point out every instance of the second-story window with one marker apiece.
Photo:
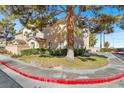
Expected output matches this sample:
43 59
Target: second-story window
49 45
61 45
34 34
25 34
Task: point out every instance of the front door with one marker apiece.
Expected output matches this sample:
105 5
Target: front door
32 45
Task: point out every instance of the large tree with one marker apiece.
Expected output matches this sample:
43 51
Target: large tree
7 30
106 44
37 17
104 24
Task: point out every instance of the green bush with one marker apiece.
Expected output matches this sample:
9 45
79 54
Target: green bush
63 52
38 51
30 52
108 49
41 51
58 52
15 56
3 51
52 52
79 52
120 50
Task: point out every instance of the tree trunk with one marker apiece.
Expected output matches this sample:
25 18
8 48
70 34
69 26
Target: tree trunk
70 32
104 39
100 39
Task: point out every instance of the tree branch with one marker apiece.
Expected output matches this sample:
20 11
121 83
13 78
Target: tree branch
62 8
58 13
74 6
78 15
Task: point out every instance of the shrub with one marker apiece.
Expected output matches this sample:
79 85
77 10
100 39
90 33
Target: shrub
30 52
15 56
58 52
63 52
108 49
120 50
53 52
3 51
41 50
79 52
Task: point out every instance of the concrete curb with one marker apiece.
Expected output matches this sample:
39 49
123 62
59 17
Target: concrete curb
64 81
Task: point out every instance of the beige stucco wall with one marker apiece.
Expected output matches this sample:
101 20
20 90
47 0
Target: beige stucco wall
26 30
94 49
16 49
35 42
57 36
39 34
2 43
20 36
82 41
12 49
86 41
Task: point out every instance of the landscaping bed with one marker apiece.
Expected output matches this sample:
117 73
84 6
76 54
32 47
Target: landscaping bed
80 62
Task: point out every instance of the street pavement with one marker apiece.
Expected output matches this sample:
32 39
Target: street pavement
115 66
7 82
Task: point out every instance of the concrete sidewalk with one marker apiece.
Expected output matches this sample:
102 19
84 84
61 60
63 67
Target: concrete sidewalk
115 67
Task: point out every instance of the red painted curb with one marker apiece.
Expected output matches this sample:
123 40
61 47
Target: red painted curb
117 52
65 81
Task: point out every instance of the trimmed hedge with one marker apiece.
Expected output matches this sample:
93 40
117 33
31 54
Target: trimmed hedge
108 49
34 51
3 51
57 52
79 52
29 52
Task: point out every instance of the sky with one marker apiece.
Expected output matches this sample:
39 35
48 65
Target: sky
115 39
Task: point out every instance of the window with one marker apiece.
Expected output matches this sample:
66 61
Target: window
61 45
25 34
77 45
49 45
34 34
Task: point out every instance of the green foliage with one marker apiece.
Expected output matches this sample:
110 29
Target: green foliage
28 52
52 52
63 52
15 56
3 51
106 44
30 16
37 17
7 27
79 52
38 51
104 23
58 52
92 39
108 49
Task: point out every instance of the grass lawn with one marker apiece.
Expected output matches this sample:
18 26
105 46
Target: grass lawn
91 62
